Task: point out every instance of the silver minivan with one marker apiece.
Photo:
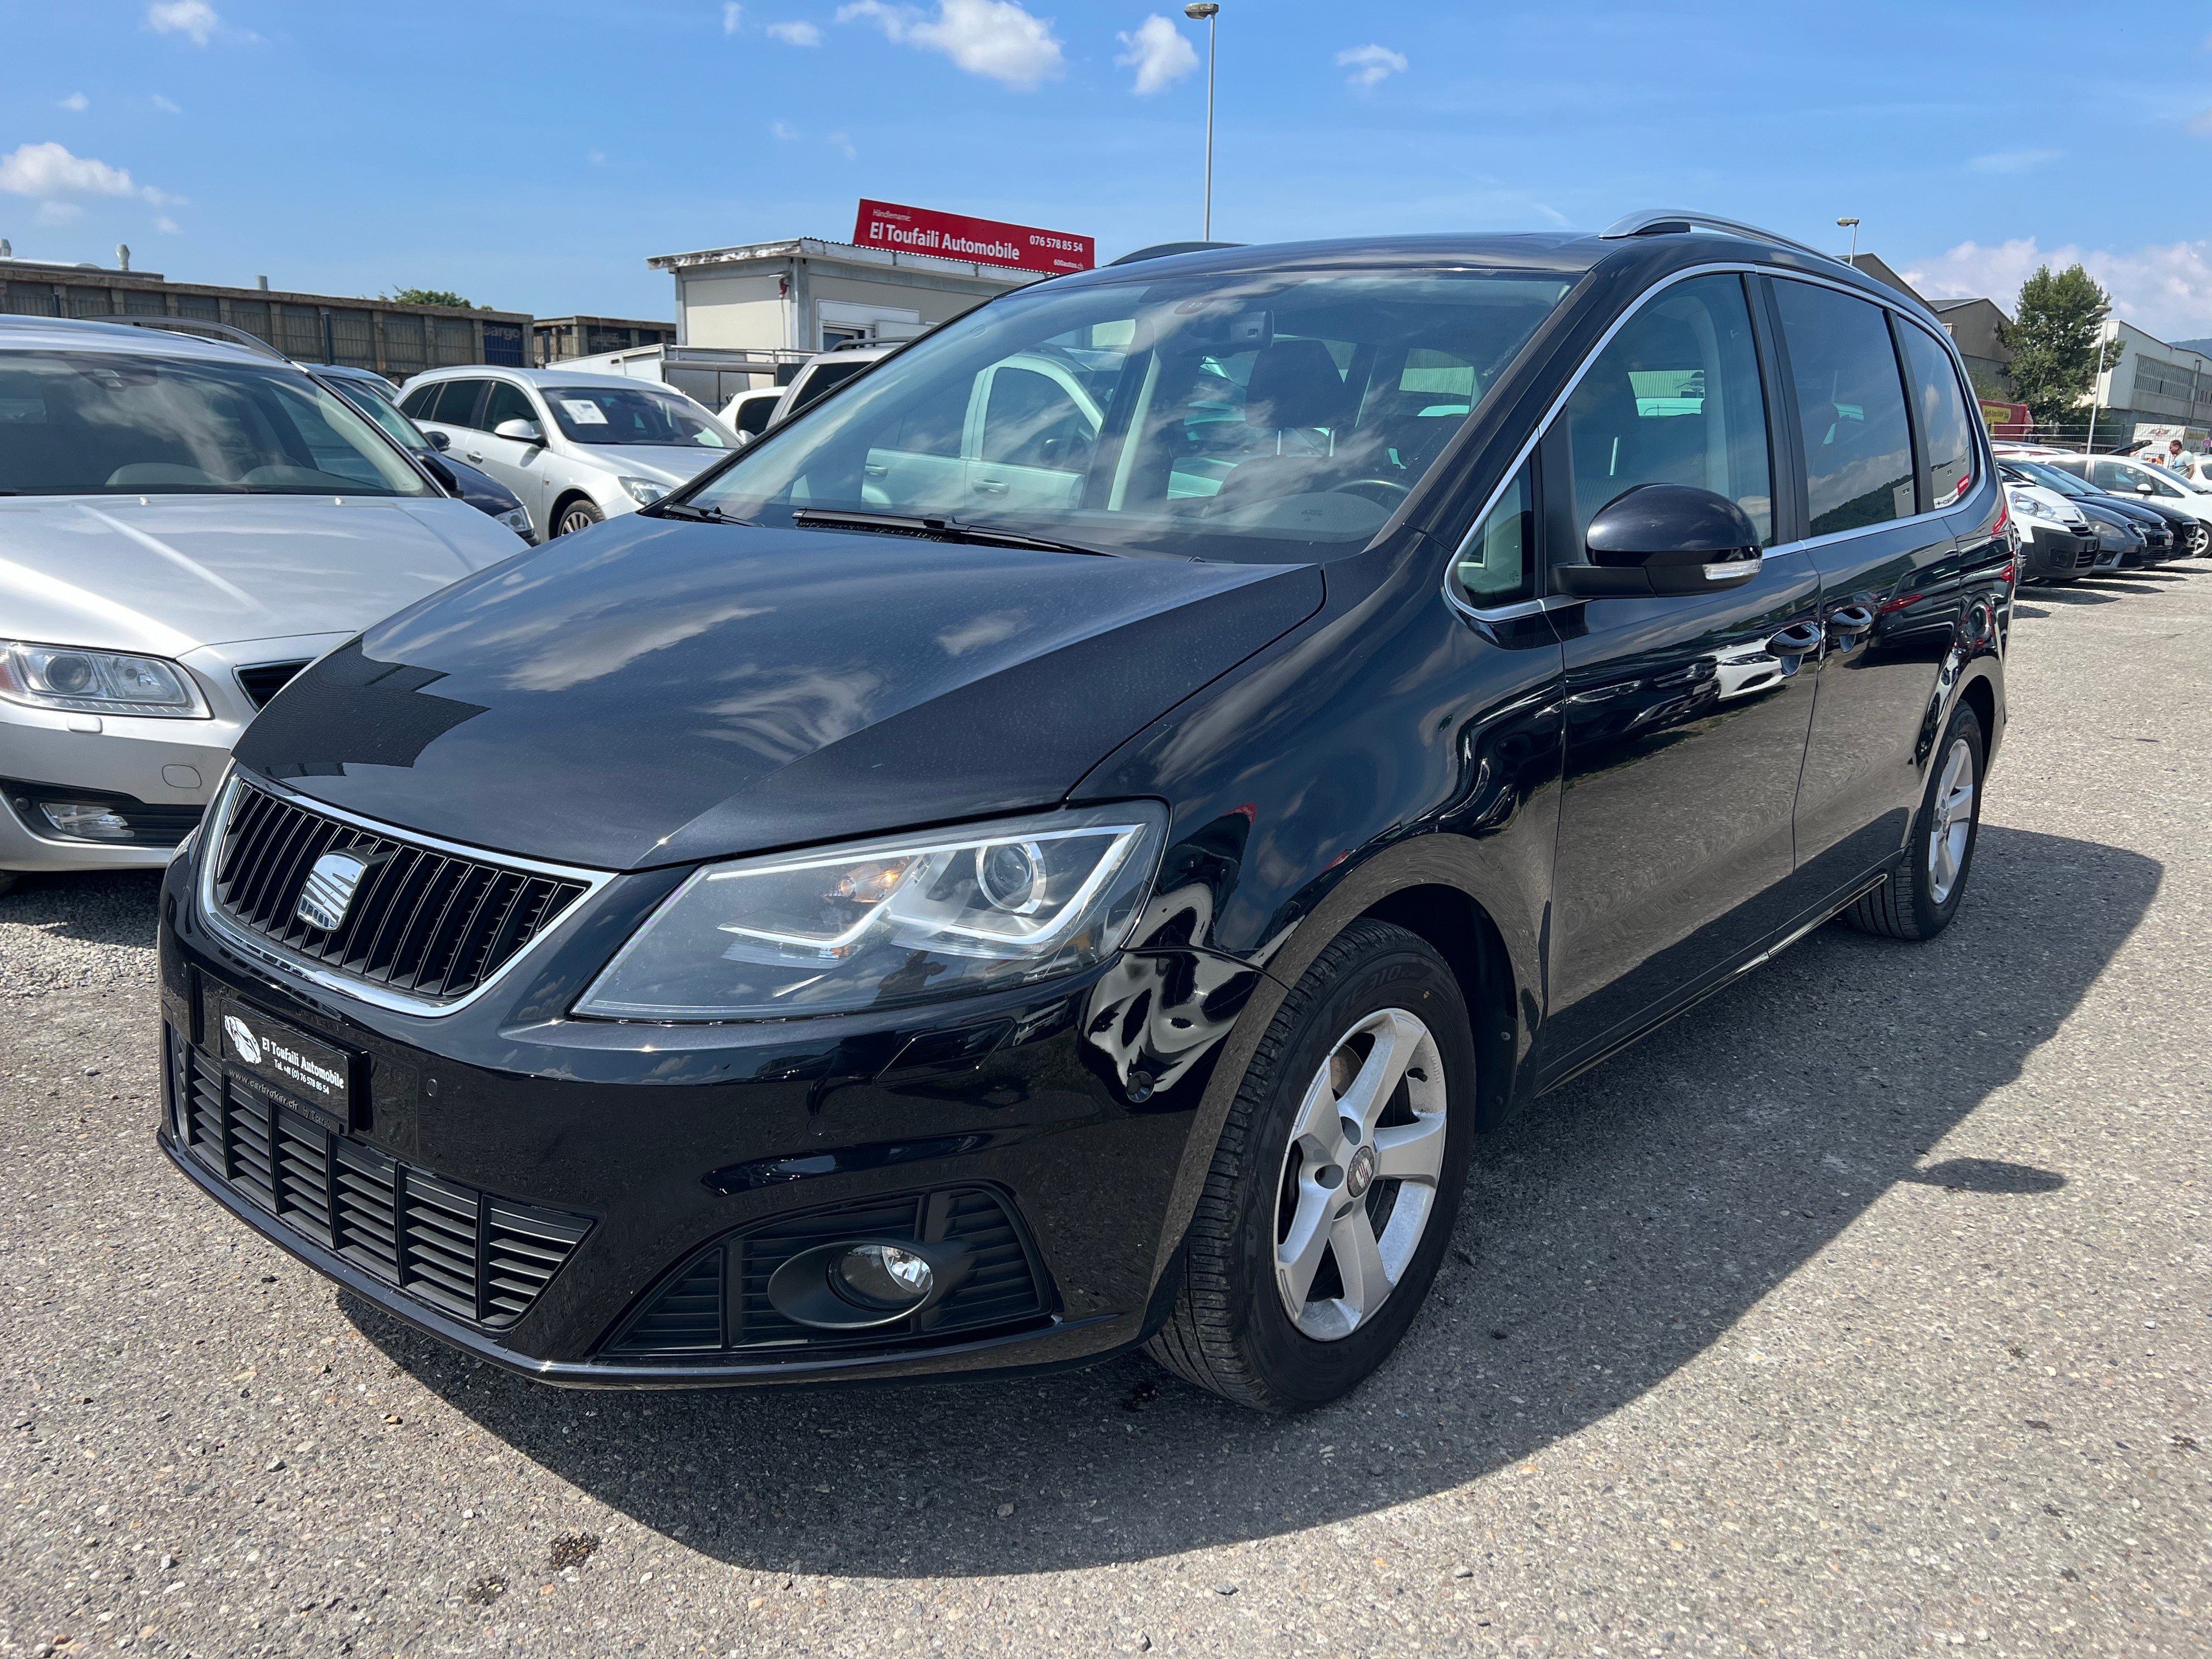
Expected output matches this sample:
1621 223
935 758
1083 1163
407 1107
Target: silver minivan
577 448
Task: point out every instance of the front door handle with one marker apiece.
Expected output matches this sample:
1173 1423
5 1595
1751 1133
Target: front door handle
990 486
1849 619
1801 640
474 456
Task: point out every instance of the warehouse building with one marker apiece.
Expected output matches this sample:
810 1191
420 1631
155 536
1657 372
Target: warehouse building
556 339
395 339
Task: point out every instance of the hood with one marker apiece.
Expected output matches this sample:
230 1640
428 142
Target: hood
164 574
668 463
655 692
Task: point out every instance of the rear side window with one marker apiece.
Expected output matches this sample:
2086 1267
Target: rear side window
1946 437
753 415
456 403
1850 407
1674 397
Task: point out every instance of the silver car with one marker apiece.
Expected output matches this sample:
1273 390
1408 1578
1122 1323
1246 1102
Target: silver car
577 448
184 525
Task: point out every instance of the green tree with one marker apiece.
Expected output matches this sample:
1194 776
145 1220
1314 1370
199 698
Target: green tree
428 296
2058 321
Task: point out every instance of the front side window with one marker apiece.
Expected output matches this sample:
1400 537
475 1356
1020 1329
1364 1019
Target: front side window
90 423
624 415
1673 398
1246 416
507 402
1947 436
1850 408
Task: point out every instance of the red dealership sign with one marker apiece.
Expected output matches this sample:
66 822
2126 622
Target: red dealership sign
956 236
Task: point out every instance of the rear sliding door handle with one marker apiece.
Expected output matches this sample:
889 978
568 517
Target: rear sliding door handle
1802 641
1850 620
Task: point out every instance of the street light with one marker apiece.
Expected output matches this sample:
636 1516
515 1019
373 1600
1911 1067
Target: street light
1206 11
1854 260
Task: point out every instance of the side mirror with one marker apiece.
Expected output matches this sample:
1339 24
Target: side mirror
521 431
1663 538
440 440
2146 489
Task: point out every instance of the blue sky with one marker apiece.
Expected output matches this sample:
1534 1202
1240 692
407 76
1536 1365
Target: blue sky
532 156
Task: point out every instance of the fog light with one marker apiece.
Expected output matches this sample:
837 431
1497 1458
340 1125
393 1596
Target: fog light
881 1276
85 820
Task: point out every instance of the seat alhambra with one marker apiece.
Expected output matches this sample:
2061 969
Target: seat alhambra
1070 843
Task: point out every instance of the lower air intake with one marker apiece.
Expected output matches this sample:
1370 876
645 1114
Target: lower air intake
717 1303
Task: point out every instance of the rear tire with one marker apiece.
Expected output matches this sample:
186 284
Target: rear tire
1923 892
1374 1037
579 514
2197 541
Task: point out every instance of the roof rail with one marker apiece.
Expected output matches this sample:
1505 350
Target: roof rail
1163 250
220 333
1670 221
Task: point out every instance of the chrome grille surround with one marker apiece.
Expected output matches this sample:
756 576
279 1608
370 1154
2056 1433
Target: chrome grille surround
574 887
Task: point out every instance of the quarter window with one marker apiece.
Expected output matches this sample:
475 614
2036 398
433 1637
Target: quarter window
1497 563
1674 397
1947 438
1850 408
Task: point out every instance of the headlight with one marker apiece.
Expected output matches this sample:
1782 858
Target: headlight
518 521
880 923
97 682
643 491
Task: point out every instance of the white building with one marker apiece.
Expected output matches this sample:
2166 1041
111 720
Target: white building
804 295
2154 385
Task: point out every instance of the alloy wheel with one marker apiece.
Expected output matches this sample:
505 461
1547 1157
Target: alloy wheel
576 518
1951 821
1360 1173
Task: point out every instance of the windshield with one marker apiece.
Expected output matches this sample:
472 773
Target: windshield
383 412
633 414
102 424
1253 417
2064 483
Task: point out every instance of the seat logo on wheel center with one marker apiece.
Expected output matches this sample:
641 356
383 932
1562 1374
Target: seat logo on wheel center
1359 1174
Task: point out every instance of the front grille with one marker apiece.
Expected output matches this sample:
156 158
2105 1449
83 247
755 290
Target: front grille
462 1251
2086 558
717 1302
434 925
142 825
265 679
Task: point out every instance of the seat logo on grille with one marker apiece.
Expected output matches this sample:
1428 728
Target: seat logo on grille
329 890
247 1045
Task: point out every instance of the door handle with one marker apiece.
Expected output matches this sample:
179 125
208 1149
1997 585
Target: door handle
1800 641
990 486
1849 619
474 456
875 469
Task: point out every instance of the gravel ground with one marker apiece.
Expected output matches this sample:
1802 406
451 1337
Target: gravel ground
1863 1311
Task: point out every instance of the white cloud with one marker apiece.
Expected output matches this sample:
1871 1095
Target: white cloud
991 37
2013 161
165 106
1159 52
843 145
795 34
194 19
55 213
2167 289
1371 65
75 101
732 15
167 226
783 130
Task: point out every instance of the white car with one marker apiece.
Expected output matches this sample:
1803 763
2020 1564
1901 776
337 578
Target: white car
184 525
2118 474
752 413
577 448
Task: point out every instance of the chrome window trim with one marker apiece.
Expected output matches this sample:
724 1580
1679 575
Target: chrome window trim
346 985
1532 607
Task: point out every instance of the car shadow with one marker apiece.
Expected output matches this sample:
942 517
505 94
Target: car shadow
1610 1236
2081 591
104 907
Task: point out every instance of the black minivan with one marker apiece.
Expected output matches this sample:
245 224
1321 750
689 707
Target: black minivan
1068 845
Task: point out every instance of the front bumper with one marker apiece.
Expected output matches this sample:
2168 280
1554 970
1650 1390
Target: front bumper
2051 555
679 1154
158 763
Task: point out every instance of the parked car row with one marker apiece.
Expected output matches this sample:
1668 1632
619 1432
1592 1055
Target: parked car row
2080 515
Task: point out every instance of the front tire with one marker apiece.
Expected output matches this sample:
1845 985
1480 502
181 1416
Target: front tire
1922 893
1335 1182
579 514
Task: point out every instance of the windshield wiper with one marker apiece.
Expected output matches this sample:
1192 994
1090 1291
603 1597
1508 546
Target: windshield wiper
935 530
697 515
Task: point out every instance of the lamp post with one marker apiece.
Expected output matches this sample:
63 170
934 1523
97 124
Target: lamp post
1207 12
1853 260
